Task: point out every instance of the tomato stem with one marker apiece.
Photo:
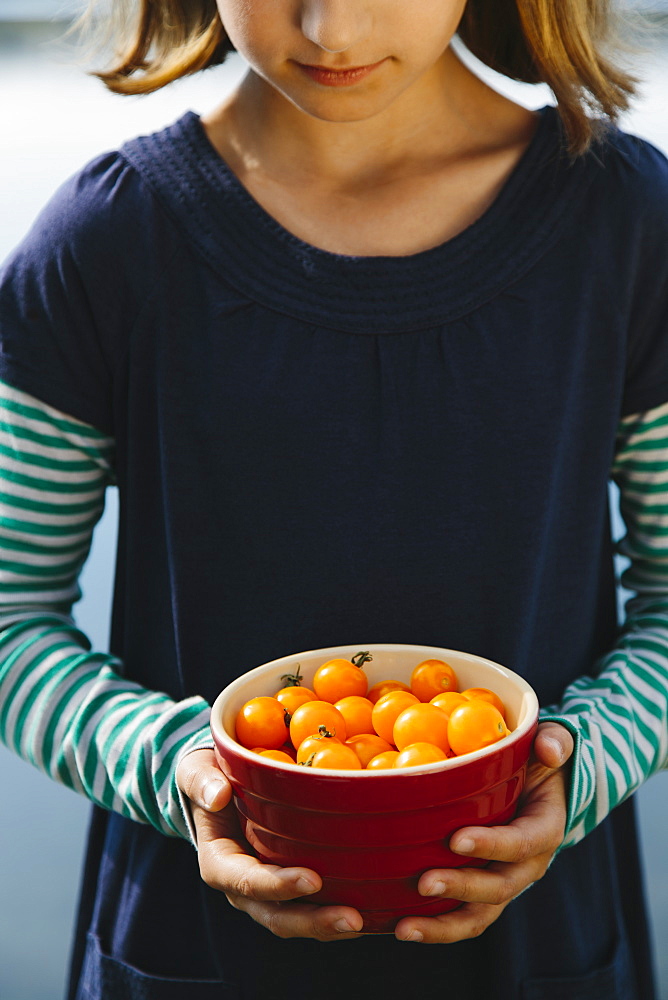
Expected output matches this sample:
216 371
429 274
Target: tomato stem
363 657
293 680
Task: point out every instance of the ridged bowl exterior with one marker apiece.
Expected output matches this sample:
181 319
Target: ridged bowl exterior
370 835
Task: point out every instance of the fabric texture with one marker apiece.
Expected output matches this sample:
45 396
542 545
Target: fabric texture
314 449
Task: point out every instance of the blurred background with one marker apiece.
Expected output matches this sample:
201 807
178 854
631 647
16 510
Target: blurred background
53 119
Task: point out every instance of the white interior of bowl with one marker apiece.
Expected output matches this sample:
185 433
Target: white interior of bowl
390 661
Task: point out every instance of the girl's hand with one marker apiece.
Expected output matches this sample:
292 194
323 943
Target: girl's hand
520 852
264 892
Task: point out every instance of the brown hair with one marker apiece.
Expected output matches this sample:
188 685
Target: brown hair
568 44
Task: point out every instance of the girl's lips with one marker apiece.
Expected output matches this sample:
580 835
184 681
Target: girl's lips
338 77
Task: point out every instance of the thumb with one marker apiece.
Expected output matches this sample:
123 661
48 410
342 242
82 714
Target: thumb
199 777
553 744
551 749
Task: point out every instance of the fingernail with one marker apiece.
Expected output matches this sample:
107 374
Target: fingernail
464 846
556 746
414 935
343 927
210 791
304 885
436 888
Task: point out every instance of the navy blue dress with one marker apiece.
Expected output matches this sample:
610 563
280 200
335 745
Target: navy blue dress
315 449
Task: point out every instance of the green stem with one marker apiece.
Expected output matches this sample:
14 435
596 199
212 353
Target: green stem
361 658
293 680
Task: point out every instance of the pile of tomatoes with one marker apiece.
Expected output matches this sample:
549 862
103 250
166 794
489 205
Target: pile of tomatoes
342 723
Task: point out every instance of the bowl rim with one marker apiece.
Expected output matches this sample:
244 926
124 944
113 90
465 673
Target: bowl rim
222 737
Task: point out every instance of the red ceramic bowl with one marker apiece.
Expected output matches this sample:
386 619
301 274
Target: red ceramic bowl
370 834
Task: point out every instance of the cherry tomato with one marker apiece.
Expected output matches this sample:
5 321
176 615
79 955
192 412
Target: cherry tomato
474 725
432 677
292 697
261 722
421 723
486 695
334 756
339 678
383 761
368 745
419 753
357 713
315 742
386 710
384 687
308 718
280 755
448 700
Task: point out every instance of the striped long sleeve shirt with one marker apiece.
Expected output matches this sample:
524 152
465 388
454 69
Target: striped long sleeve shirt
70 711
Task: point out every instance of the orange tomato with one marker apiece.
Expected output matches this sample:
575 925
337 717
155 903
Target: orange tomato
474 725
334 756
339 678
386 710
308 718
486 695
447 701
421 723
383 761
432 677
368 745
280 755
261 723
419 753
357 713
292 697
384 687
313 743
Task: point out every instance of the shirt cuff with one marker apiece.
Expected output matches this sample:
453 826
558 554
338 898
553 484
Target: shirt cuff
577 782
199 741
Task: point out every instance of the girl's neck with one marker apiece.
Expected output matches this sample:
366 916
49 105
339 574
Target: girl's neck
448 116
403 181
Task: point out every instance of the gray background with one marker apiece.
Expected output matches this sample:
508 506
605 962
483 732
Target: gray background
53 118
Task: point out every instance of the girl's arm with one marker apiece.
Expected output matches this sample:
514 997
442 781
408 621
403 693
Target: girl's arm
65 709
70 712
619 716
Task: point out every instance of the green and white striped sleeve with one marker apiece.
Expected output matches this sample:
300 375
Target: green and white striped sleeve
619 716
64 708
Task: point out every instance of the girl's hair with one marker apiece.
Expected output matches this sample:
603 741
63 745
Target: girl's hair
570 45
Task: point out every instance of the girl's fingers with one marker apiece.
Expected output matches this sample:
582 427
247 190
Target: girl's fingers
199 777
240 874
513 843
226 864
537 830
520 854
293 920
266 892
497 884
553 744
552 748
469 921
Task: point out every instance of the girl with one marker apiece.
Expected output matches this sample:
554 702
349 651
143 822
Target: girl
361 349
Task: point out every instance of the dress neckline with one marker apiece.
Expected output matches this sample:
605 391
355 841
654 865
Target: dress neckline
262 259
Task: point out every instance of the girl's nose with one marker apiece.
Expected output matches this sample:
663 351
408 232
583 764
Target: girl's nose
335 25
